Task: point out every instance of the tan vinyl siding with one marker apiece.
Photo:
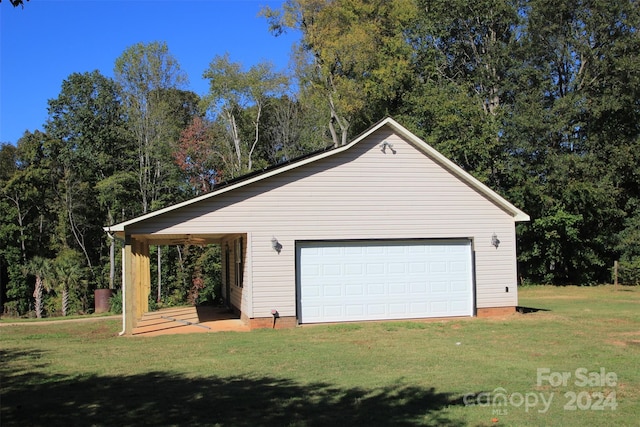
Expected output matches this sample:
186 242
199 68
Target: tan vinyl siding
361 193
239 295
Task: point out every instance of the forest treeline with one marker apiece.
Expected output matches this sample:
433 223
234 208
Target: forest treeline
538 99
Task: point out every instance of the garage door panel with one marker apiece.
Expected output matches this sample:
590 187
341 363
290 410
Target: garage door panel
375 269
418 289
458 305
417 268
376 309
342 281
397 308
332 312
354 290
310 270
438 287
436 267
332 290
332 270
354 270
459 286
354 250
355 310
313 291
416 308
396 268
313 312
374 250
375 289
439 308
397 289
456 267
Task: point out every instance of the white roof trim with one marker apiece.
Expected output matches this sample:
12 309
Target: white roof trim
430 151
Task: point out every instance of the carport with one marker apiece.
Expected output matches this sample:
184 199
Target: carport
136 273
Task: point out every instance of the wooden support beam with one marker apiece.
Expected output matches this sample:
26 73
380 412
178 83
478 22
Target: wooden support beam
129 287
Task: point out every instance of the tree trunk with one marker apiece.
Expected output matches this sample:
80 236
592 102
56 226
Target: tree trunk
340 121
159 275
65 301
37 294
257 134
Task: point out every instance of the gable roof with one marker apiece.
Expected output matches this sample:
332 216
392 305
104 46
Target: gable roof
447 164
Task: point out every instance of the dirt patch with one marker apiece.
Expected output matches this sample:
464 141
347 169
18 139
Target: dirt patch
619 343
625 339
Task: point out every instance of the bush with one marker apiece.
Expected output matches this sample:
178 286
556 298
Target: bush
115 303
11 309
629 272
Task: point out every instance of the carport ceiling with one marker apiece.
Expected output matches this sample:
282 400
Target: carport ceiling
180 239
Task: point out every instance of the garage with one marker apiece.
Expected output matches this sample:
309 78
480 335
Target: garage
379 280
384 227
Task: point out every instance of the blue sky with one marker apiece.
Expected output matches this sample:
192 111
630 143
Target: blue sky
42 44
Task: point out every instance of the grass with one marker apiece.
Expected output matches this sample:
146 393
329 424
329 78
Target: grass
389 373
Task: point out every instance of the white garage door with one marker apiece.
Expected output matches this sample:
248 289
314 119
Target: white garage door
349 281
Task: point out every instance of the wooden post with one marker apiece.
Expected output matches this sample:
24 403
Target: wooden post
615 275
159 297
128 281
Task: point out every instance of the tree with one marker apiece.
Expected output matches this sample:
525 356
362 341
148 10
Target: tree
12 191
290 130
196 156
354 54
26 216
16 3
570 135
41 269
88 144
8 167
157 111
68 275
462 57
233 94
146 73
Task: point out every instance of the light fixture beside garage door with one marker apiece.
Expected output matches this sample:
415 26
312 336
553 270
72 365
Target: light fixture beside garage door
275 245
495 241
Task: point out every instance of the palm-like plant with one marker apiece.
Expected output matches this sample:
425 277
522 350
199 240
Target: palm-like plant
41 269
68 275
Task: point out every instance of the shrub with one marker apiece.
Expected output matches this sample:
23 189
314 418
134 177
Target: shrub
115 303
629 272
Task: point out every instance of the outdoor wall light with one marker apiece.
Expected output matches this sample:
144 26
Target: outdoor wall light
495 241
275 245
385 145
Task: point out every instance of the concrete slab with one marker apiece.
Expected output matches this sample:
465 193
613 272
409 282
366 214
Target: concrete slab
188 320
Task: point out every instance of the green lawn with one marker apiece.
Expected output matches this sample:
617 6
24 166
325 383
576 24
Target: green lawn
458 372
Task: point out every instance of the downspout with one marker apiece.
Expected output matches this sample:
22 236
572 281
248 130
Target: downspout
124 311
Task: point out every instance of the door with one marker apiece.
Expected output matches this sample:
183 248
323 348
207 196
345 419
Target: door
227 276
378 280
